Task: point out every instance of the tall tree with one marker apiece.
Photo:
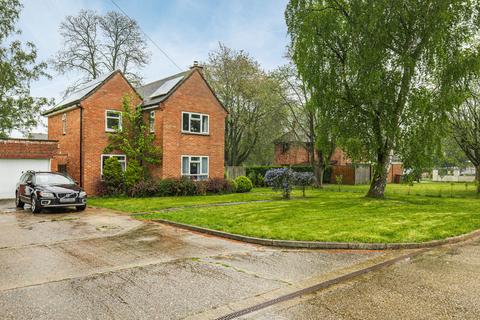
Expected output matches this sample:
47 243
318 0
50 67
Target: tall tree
465 122
387 60
251 98
94 44
308 119
18 68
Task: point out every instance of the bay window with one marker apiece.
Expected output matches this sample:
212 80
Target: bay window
195 167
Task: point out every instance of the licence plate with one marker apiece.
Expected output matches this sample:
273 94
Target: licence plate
67 200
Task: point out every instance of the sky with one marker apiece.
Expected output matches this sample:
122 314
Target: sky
186 30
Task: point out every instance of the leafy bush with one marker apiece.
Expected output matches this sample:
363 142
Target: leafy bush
217 185
257 173
243 184
232 185
113 178
303 179
166 187
143 188
202 187
185 187
280 179
133 174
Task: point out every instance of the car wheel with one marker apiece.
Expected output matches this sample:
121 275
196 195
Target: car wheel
36 207
81 208
18 203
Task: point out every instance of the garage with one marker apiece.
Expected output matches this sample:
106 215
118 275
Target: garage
20 155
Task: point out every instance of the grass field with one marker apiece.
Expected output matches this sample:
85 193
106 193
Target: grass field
431 211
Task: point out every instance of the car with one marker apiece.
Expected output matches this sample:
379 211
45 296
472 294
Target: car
49 190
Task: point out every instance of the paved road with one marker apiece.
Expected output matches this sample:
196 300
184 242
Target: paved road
102 265
441 284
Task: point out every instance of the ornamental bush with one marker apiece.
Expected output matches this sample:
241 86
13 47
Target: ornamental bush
113 178
232 185
143 188
217 185
166 187
133 174
243 184
280 179
303 179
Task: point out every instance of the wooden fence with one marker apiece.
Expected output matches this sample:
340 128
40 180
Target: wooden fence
359 174
234 171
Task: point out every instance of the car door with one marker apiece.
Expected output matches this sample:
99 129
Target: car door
21 186
24 188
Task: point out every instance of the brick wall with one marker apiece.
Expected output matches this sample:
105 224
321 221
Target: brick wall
27 149
68 143
395 169
298 154
107 97
192 96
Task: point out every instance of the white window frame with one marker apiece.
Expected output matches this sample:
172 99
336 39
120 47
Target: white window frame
112 155
64 123
151 121
201 123
200 167
107 117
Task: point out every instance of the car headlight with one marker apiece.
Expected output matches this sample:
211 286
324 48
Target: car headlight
82 194
45 194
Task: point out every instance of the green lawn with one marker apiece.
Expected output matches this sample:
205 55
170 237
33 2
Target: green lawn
325 215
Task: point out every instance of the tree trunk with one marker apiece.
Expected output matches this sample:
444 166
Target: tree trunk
318 171
380 172
477 177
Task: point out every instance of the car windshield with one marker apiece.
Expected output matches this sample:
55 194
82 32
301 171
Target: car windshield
51 178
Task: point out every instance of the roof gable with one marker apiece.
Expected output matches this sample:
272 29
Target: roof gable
85 91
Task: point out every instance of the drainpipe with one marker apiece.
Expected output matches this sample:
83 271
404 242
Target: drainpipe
81 146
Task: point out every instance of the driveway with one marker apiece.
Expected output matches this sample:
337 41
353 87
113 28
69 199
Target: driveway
99 264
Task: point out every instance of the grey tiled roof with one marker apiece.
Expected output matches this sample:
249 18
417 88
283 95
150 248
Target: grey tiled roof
80 93
148 91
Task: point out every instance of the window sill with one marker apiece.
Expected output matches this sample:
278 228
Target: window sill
195 133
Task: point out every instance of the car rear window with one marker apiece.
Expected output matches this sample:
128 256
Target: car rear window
51 178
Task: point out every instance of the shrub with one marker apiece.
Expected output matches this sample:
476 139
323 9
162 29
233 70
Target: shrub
166 187
133 174
303 179
257 173
243 184
143 188
232 186
113 179
280 179
217 185
201 188
185 187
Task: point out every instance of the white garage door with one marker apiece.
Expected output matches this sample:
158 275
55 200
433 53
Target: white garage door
11 170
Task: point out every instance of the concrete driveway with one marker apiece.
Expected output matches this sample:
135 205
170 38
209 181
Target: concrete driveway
99 264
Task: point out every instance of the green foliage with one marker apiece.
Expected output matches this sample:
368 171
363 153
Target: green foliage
387 68
232 185
134 138
113 178
18 69
243 184
133 174
166 187
143 188
339 180
257 173
251 97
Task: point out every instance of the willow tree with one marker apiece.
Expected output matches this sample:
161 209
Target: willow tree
387 61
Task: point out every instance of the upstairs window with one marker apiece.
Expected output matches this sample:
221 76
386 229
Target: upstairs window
195 122
113 120
64 123
195 167
151 121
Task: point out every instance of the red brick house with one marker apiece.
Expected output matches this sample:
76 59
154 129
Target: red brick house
182 111
289 152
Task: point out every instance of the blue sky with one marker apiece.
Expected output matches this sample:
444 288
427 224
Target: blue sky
186 29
